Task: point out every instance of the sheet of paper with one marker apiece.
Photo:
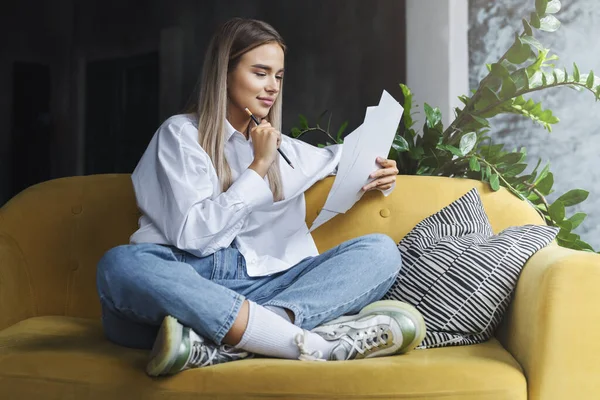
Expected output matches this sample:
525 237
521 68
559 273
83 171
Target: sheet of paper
372 139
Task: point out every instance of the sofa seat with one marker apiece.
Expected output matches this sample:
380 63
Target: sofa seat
57 357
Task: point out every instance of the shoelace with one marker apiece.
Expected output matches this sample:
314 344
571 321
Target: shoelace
366 340
201 355
305 354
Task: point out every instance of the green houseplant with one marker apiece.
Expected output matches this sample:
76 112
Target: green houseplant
466 149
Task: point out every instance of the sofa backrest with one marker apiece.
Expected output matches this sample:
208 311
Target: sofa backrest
61 228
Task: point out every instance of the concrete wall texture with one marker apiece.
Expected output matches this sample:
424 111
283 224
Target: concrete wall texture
572 147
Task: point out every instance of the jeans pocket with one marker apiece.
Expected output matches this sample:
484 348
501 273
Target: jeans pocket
229 264
242 271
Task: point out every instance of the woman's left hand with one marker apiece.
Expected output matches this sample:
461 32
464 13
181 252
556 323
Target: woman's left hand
384 177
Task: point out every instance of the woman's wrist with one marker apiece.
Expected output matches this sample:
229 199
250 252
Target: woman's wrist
260 167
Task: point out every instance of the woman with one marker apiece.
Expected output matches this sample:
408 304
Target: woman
222 265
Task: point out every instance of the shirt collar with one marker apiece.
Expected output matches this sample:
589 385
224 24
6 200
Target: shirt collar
229 130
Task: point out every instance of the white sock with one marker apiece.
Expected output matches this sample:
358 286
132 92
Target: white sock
279 311
270 335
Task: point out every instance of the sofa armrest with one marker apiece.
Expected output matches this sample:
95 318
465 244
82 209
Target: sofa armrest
553 325
16 294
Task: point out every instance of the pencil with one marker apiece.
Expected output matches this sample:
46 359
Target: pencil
257 122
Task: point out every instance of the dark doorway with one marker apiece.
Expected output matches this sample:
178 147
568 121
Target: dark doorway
31 126
122 112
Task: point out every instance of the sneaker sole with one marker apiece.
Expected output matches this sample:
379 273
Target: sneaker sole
387 306
409 311
166 346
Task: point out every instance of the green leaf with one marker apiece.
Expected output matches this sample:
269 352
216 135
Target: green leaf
431 137
545 171
520 79
494 182
567 236
295 132
484 122
584 246
474 164
400 144
545 185
535 20
518 52
566 225
573 197
590 80
553 7
488 97
341 130
536 80
549 23
406 116
454 150
416 153
508 88
467 142
530 40
515 169
510 158
527 28
488 171
540 6
577 219
433 115
303 122
576 75
499 70
557 211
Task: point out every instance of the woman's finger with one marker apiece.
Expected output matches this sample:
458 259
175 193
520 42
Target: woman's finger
386 163
384 172
376 184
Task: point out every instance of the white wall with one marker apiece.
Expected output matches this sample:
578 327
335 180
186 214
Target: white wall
437 54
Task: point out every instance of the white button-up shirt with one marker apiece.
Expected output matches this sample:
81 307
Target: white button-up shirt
179 194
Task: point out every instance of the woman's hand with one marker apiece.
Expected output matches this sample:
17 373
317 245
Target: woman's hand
266 141
384 177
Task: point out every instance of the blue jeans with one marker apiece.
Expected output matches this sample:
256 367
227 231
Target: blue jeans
139 284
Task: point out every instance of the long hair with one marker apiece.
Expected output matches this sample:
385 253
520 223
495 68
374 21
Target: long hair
231 41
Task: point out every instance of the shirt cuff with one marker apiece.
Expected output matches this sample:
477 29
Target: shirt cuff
252 189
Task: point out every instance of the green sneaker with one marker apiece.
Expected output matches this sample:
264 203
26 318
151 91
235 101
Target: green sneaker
178 348
382 328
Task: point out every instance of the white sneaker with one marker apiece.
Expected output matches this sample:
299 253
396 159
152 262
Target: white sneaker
382 328
178 348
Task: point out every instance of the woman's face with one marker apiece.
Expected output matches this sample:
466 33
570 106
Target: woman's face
256 81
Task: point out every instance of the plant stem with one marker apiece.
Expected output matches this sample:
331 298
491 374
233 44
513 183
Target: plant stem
318 129
525 91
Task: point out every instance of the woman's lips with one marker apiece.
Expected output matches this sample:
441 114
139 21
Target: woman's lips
266 102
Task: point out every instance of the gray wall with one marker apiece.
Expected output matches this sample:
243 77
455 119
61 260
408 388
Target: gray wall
573 146
342 54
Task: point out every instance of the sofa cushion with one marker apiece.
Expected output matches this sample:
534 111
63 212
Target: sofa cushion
460 275
69 358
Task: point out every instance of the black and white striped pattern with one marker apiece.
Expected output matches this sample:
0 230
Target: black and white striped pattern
460 275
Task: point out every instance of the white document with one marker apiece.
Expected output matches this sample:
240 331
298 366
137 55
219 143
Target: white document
372 139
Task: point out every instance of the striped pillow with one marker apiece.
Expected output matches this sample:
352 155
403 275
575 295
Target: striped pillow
460 275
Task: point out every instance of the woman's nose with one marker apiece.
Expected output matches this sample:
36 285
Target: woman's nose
272 85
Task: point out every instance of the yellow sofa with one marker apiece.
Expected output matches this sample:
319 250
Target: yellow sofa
52 345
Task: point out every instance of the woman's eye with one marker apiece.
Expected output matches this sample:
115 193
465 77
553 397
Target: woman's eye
260 74
279 77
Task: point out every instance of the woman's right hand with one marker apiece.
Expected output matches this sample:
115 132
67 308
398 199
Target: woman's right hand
266 141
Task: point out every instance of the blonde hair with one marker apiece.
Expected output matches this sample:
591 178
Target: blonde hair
231 41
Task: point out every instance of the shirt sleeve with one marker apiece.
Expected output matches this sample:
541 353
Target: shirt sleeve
176 187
